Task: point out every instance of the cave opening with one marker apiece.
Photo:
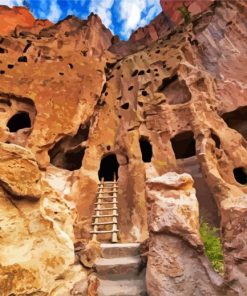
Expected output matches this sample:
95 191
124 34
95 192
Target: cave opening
240 175
19 121
146 149
108 168
216 140
184 145
237 120
72 159
68 152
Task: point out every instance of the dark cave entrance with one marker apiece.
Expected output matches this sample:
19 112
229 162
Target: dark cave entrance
240 175
108 168
72 160
146 149
68 152
19 121
237 120
184 145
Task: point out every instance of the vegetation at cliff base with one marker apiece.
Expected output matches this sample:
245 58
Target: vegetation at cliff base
213 246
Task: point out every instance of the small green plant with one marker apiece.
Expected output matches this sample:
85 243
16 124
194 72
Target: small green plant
185 13
213 245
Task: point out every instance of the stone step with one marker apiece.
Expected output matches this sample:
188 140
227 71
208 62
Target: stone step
119 266
119 250
133 287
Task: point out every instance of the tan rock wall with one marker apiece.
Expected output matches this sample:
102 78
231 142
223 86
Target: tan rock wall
176 264
36 248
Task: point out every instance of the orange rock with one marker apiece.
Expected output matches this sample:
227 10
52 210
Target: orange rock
20 17
171 8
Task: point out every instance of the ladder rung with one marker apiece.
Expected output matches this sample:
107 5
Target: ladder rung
103 216
104 231
106 202
109 182
104 223
105 209
105 192
105 197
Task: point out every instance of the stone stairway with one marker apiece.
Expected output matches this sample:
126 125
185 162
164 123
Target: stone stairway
120 271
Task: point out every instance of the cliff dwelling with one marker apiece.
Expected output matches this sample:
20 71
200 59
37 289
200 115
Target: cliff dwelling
123 151
108 168
146 149
19 121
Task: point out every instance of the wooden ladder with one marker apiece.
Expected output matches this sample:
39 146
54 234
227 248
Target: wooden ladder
106 201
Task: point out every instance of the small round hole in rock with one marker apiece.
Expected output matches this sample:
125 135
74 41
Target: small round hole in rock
134 73
22 59
142 72
240 175
10 66
19 121
125 106
131 87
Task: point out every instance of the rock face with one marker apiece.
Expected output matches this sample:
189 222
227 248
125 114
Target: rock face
36 249
175 263
19 17
171 99
173 8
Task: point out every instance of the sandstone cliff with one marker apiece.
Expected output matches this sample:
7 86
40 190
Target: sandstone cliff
82 103
19 18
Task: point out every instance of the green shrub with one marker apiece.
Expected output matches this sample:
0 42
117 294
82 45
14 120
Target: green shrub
213 246
185 13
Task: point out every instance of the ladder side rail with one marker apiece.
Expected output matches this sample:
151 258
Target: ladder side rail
97 212
114 219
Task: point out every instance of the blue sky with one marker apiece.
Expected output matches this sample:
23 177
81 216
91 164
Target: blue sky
120 16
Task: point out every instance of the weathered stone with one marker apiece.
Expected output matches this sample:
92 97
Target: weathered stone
19 18
36 249
89 253
175 261
88 95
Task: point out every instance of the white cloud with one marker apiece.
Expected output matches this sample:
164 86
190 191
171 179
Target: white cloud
131 13
103 9
55 12
11 3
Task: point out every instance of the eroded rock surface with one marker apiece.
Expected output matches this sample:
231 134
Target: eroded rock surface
19 18
36 248
176 265
172 98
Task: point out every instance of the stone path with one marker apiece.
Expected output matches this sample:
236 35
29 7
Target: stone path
119 271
